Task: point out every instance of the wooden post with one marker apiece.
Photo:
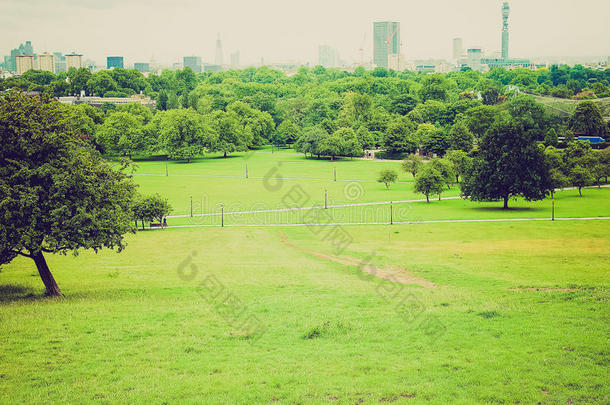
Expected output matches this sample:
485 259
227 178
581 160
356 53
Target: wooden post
391 214
222 215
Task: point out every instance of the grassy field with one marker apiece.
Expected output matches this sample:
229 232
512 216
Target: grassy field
496 312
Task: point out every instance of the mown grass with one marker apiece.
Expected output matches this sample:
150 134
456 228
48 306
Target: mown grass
519 312
214 180
132 329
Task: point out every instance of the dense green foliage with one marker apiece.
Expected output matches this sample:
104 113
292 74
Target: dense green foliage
57 194
399 112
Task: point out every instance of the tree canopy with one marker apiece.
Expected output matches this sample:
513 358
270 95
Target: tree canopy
57 194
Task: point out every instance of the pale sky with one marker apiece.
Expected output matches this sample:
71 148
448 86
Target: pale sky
288 30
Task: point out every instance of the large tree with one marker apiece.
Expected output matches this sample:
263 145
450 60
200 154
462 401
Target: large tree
429 181
411 164
231 136
508 164
122 133
398 137
57 194
587 119
183 134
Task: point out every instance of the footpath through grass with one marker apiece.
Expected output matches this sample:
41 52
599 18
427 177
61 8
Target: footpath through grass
568 204
519 314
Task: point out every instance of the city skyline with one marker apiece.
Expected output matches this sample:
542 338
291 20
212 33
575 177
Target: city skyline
541 29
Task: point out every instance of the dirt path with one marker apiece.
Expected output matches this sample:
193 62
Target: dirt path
395 274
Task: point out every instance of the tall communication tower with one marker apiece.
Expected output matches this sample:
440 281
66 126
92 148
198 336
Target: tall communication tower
505 14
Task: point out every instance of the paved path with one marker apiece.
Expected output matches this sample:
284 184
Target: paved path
439 221
309 208
334 206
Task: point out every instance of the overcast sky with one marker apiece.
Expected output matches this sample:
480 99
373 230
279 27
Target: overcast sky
288 30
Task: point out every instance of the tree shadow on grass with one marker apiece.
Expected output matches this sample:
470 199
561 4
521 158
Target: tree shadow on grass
13 293
510 209
221 157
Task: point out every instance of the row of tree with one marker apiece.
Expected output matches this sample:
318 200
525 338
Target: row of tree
507 164
399 112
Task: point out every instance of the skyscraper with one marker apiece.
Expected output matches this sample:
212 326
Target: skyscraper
386 43
10 61
74 60
235 62
114 62
458 48
46 62
24 63
142 67
219 58
192 62
505 14
327 56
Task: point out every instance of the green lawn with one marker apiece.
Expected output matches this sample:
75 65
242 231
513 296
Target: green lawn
214 180
133 329
496 312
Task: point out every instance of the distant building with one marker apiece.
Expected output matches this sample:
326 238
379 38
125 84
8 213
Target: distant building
327 56
114 62
235 62
458 48
212 68
10 61
46 62
219 53
60 62
99 101
192 62
473 58
24 63
386 43
142 67
425 68
508 63
74 60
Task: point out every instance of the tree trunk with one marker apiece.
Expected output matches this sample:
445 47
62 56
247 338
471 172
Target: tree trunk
427 198
506 202
225 154
46 276
439 197
142 224
457 178
580 191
